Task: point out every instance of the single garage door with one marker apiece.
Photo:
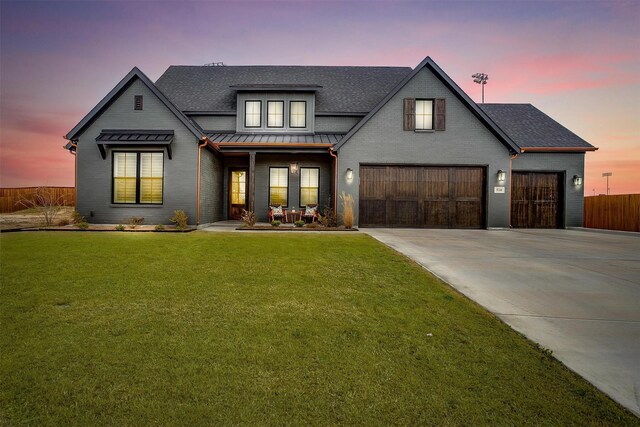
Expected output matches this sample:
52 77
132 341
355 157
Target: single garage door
421 196
536 200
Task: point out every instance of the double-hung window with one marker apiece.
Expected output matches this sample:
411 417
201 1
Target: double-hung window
298 114
138 177
252 114
278 186
424 114
309 186
275 114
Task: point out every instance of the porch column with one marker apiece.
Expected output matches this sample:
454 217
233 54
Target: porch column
252 181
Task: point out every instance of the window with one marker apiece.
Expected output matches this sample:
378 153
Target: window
137 102
252 114
238 187
309 178
278 186
298 114
275 114
424 114
137 177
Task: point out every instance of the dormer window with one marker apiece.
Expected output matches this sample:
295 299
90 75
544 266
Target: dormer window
252 114
298 114
275 114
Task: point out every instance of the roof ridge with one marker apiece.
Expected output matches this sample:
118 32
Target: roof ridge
290 66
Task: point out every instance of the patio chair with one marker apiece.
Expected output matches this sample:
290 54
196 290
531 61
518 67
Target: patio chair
310 213
277 213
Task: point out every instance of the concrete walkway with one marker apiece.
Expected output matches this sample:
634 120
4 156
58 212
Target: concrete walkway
574 292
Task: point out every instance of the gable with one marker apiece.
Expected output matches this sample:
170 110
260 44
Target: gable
134 77
452 89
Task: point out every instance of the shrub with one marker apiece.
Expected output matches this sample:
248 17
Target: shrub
159 227
77 218
180 219
64 222
45 201
276 223
347 209
83 225
313 225
248 218
329 218
298 223
135 221
119 227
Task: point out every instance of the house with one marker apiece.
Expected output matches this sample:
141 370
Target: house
408 144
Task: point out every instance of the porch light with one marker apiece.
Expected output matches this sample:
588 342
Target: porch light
349 174
502 175
293 167
577 180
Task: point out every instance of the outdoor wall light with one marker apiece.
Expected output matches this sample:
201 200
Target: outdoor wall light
577 180
293 167
502 175
349 174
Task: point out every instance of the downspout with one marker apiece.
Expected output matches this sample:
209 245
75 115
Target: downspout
202 143
74 153
335 181
513 156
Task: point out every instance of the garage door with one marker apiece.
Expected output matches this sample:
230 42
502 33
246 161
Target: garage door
536 200
419 196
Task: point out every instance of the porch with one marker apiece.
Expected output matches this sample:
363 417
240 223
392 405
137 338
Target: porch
256 175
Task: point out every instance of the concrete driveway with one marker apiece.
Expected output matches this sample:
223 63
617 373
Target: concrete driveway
574 292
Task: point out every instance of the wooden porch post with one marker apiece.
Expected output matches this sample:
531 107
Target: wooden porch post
252 181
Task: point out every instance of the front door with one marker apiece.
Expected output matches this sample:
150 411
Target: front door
237 192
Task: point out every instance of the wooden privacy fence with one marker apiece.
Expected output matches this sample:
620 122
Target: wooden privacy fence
620 212
10 196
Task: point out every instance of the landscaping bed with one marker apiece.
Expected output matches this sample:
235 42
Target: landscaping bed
290 228
256 329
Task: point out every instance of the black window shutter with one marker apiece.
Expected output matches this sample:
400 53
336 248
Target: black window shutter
440 113
409 116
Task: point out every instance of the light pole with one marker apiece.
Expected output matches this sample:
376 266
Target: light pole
481 79
607 174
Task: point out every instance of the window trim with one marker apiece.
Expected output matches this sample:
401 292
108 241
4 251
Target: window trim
286 205
245 113
281 102
305 114
433 115
300 185
113 186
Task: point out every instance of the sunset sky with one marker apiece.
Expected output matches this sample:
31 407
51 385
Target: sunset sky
578 61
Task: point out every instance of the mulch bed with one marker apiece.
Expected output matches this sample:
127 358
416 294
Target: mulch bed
138 229
272 228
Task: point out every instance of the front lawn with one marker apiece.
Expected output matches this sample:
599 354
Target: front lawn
211 328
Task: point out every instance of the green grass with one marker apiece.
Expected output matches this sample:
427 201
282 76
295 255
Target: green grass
207 328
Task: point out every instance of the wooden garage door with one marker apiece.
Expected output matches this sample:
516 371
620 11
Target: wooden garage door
536 200
419 196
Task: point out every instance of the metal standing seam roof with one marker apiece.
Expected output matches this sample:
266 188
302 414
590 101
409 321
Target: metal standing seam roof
531 128
338 89
135 136
265 138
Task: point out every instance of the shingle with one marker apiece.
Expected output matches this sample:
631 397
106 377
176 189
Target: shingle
343 89
529 127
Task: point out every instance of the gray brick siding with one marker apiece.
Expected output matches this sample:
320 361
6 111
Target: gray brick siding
569 163
95 174
465 141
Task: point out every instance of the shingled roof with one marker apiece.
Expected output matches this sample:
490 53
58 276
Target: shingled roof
531 128
338 89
